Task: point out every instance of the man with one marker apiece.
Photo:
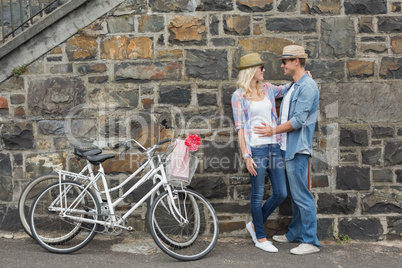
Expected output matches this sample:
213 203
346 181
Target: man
297 123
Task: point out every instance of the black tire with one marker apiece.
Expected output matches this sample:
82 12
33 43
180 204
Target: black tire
58 233
184 241
28 195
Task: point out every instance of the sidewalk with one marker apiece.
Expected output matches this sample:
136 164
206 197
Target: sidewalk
138 250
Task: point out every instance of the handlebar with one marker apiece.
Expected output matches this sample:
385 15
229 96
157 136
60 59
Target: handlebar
164 141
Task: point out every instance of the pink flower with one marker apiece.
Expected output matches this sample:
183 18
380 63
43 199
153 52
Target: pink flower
192 142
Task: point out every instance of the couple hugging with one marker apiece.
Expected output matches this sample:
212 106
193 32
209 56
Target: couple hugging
281 145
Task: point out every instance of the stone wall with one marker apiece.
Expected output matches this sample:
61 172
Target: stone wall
150 59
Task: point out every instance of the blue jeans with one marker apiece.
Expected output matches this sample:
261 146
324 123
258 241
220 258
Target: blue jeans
303 227
266 157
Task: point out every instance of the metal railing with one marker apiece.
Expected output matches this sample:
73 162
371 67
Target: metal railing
28 10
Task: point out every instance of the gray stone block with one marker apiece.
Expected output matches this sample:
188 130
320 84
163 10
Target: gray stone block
220 42
372 39
390 67
365 7
18 136
220 157
206 99
6 185
199 119
207 64
18 159
151 23
382 132
353 137
139 72
361 229
254 6
393 153
231 208
215 5
325 229
336 204
394 225
338 38
307 25
55 96
287 6
214 25
371 157
10 219
390 24
122 24
209 187
51 127
91 68
352 178
319 181
319 164
327 70
177 95
349 158
383 175
381 201
239 180
398 175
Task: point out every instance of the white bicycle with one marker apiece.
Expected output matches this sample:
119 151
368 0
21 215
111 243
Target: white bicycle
66 215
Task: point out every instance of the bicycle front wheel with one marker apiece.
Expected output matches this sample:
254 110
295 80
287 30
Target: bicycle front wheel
28 195
188 232
60 217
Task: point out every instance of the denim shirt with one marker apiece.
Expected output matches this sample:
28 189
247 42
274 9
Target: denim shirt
241 111
303 109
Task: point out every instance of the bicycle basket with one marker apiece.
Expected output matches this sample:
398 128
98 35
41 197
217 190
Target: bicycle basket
180 167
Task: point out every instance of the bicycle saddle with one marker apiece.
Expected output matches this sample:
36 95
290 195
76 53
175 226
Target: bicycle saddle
84 153
97 159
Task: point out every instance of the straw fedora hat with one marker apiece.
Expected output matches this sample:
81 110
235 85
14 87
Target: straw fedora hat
293 52
250 60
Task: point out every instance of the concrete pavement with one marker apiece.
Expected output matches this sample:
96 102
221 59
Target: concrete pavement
139 250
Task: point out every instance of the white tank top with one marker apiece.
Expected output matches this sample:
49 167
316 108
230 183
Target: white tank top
261 112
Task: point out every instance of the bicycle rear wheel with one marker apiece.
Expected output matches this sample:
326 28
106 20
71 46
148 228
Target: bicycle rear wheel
51 217
28 195
187 234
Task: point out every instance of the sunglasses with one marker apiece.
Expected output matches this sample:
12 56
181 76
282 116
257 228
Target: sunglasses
262 68
284 61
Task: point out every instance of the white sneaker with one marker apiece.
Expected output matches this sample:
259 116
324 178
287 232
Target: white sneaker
280 238
303 249
266 246
251 232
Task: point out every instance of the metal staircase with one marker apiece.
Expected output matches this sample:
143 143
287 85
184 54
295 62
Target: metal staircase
18 15
35 35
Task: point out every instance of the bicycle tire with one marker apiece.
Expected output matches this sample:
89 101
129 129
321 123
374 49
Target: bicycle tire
192 240
28 195
190 237
61 234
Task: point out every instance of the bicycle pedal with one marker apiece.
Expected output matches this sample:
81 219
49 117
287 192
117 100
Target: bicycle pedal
130 229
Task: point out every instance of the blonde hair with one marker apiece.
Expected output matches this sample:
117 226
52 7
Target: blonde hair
244 80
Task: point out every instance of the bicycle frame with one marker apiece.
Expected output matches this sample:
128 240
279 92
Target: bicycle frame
158 172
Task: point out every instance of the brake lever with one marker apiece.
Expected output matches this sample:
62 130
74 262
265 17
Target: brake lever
127 147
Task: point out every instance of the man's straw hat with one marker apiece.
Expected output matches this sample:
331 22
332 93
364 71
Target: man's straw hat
250 60
293 52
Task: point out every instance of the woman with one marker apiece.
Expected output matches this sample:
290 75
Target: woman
253 104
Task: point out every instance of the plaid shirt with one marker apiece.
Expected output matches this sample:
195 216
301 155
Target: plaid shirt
241 111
